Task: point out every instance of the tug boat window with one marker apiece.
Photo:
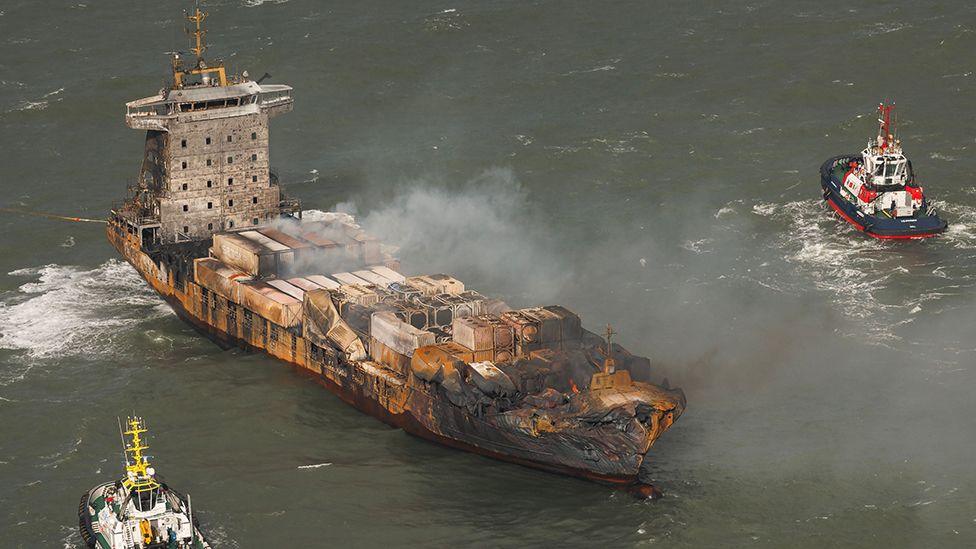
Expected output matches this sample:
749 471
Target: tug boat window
145 500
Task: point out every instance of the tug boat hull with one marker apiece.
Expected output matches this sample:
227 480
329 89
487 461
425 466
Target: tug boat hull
881 227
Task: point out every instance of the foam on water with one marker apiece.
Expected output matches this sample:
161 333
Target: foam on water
855 270
72 311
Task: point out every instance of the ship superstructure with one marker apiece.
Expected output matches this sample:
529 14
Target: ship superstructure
206 167
876 191
139 511
424 353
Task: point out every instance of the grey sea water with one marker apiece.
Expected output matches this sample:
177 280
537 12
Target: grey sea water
650 164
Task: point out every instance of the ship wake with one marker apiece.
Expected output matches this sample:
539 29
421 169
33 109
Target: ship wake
71 311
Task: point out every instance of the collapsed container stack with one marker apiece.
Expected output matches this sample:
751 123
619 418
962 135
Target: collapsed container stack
364 307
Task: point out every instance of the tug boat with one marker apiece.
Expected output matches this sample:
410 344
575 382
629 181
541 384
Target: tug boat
876 191
139 511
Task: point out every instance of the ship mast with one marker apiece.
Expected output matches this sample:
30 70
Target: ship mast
609 365
139 473
198 17
885 136
198 46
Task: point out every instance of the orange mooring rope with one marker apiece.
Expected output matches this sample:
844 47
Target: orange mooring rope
53 216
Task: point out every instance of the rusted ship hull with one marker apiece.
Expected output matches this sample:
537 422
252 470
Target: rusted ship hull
610 452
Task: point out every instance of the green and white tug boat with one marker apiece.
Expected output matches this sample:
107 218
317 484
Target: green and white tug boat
139 511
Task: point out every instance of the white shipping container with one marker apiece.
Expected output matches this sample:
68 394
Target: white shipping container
324 281
373 278
244 254
474 333
388 273
403 338
304 284
349 278
288 288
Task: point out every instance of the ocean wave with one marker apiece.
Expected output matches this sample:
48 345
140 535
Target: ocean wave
858 272
256 3
961 233
71 311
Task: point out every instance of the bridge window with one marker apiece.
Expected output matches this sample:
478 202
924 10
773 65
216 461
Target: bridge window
209 162
254 135
184 186
208 141
209 205
186 230
254 200
254 221
209 183
209 226
230 202
254 157
183 143
186 208
230 224
229 139
230 159
230 180
254 179
184 165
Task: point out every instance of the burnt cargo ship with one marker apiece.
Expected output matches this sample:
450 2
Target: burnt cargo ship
207 226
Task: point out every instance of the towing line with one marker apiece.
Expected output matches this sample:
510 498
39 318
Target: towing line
53 216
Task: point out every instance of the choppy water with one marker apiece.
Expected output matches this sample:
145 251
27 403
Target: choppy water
653 165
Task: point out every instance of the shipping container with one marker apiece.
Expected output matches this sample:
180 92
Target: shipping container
317 239
474 333
262 240
436 284
460 351
244 254
387 273
358 294
502 333
373 278
414 315
405 291
219 278
287 288
525 331
386 356
270 303
284 238
439 312
490 380
434 363
403 338
464 304
323 325
349 278
356 316
570 327
305 284
324 281
547 322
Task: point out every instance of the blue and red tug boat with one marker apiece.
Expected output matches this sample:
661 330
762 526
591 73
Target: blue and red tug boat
876 191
